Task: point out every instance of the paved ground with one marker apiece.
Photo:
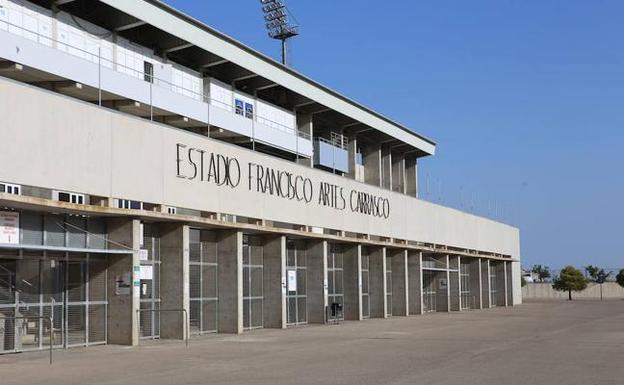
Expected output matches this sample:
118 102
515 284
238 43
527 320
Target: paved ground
550 342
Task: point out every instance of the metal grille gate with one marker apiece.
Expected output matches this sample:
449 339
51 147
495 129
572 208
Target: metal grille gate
493 288
69 287
388 286
429 291
296 308
203 281
253 284
150 288
464 291
335 278
365 283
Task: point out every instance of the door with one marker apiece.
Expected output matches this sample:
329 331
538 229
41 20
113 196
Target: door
335 287
429 291
253 285
296 283
365 284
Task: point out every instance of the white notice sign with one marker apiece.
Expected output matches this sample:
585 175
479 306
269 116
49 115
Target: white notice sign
292 280
9 227
147 272
143 255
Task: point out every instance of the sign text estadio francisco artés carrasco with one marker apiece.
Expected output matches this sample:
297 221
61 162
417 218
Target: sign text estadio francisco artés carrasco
209 167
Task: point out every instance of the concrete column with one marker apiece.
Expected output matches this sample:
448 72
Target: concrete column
386 167
454 284
230 281
372 164
400 284
352 151
506 284
305 124
353 283
485 278
411 175
476 292
174 279
317 281
377 286
510 284
274 283
123 303
398 172
414 275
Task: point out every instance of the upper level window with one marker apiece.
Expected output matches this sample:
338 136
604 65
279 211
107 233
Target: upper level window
10 188
128 204
71 197
148 71
171 210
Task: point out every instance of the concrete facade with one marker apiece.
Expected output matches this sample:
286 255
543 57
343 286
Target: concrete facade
174 208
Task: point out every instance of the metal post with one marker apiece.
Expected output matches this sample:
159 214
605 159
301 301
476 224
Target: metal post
99 76
151 100
284 51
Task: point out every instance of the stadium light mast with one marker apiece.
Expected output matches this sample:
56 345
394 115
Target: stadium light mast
278 25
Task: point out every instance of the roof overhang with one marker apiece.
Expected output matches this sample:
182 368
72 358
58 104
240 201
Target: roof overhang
196 33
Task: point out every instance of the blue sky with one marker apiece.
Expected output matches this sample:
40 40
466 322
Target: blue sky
524 98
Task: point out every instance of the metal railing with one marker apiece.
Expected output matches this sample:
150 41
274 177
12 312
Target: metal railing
342 144
101 61
49 319
186 320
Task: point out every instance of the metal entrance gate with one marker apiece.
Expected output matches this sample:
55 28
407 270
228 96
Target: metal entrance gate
493 288
335 287
388 286
296 271
203 284
150 288
429 291
365 283
253 285
464 291
69 287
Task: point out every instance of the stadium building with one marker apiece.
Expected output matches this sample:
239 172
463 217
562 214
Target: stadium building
154 168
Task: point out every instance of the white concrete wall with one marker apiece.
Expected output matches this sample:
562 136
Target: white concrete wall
610 290
64 144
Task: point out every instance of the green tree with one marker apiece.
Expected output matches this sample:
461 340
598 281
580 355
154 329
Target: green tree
620 278
597 275
543 272
570 279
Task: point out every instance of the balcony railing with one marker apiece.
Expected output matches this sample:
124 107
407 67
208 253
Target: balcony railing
106 63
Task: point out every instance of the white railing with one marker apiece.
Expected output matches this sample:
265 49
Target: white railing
103 62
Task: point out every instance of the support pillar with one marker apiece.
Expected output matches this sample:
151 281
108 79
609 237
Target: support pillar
400 284
317 281
411 175
123 302
230 278
398 172
305 124
454 284
274 283
414 275
353 283
352 154
377 276
372 164
485 278
174 279
386 167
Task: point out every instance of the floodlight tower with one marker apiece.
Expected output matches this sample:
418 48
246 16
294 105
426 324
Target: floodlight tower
277 24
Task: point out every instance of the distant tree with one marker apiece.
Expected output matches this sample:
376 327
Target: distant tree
570 279
620 278
543 272
597 275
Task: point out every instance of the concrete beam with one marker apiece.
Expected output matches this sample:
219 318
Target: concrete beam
352 274
317 281
377 283
400 284
230 278
274 283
